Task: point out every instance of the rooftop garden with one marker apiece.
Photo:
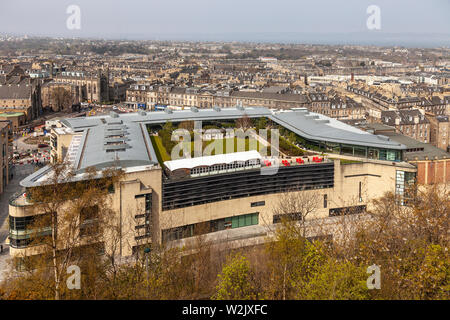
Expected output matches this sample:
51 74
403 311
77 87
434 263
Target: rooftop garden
161 138
290 144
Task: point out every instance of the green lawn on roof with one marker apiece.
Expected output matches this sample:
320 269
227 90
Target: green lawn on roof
346 161
229 145
160 151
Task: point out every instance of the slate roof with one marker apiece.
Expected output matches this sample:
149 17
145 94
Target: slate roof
15 91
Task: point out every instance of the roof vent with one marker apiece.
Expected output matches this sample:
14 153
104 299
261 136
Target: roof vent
116 147
303 111
194 109
383 137
112 114
240 107
113 121
115 133
142 113
216 108
112 127
167 110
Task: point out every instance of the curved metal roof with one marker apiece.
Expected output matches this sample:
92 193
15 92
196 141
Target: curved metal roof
123 139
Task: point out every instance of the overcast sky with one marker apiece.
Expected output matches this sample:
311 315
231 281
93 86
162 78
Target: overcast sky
113 18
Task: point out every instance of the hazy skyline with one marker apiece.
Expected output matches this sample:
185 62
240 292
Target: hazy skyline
229 20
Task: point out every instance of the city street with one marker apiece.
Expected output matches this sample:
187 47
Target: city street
20 172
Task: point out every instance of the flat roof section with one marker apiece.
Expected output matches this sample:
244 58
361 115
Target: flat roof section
429 152
316 126
11 114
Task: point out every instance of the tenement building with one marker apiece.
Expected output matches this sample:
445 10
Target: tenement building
21 98
440 131
411 123
432 163
226 195
147 96
91 86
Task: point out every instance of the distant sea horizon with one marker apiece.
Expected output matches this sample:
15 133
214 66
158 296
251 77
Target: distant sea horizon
369 38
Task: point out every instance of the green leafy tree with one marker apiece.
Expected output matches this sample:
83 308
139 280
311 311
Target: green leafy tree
261 123
235 280
166 136
333 280
430 276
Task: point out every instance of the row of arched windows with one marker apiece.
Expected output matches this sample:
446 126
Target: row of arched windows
226 166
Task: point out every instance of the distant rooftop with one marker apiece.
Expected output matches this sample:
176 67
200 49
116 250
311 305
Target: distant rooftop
424 150
3 124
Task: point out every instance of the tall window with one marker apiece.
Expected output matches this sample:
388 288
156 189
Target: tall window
210 226
360 191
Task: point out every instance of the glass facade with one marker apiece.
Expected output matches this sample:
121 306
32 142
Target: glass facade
196 229
21 234
403 184
288 216
144 231
348 149
347 210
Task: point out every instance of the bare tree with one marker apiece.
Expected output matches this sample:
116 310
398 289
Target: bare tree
244 122
73 217
187 124
62 99
294 207
286 250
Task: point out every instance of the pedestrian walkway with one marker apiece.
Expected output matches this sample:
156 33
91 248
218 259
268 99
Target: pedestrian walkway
19 173
4 259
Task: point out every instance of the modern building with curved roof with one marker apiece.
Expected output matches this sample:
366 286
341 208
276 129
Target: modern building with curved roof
232 194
